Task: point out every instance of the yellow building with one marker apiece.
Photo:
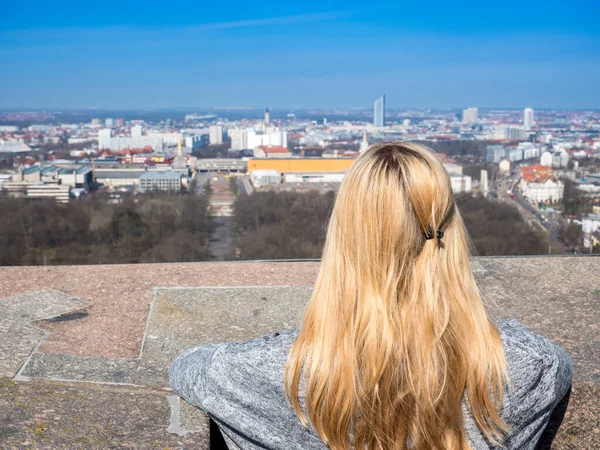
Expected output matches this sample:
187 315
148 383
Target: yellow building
301 165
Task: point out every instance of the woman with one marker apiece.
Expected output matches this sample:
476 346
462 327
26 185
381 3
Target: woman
396 350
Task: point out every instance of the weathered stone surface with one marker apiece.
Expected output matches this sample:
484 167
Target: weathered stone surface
45 415
556 297
185 317
18 338
81 368
45 304
17 341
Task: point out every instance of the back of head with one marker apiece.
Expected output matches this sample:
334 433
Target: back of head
395 332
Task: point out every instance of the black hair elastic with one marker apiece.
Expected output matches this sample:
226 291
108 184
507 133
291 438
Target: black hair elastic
438 233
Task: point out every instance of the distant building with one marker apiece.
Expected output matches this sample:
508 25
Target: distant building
453 169
119 123
267 116
589 225
136 131
530 150
301 165
239 139
379 112
272 152
515 154
265 177
14 148
364 145
109 122
470 115
272 136
215 134
43 191
461 184
504 166
528 118
546 159
160 181
494 153
104 138
483 183
539 185
95 122
560 159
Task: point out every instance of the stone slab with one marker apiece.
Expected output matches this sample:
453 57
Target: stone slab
81 368
193 420
17 341
182 318
556 297
40 305
47 415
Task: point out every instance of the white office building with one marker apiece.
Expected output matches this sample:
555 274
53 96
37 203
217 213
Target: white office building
589 225
379 112
470 115
528 118
461 184
215 134
136 131
515 154
239 139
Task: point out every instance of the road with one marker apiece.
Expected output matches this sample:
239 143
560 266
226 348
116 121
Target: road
547 221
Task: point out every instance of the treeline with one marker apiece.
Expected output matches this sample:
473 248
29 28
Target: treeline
281 225
289 225
497 228
150 228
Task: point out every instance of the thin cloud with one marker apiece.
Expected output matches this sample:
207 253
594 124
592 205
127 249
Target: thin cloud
283 20
67 34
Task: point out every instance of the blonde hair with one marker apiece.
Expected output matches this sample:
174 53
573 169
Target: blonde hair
395 333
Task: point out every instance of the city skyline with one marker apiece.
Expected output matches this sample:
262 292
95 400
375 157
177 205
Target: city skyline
314 55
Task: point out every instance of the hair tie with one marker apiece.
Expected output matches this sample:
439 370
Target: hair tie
429 234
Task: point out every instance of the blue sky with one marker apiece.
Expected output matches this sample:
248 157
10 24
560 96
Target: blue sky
327 54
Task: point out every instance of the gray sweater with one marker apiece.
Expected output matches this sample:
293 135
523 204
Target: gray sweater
240 385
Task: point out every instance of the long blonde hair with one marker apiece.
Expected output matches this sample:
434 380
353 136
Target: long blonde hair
395 334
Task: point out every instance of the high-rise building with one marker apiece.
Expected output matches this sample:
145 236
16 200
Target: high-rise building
470 115
239 139
109 122
267 116
528 118
215 134
119 123
95 121
494 153
136 131
104 137
379 112
483 183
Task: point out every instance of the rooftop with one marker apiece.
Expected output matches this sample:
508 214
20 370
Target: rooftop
76 336
160 175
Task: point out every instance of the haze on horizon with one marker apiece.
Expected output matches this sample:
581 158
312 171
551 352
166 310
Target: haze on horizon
328 54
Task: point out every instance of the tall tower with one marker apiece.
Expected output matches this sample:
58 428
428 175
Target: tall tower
528 118
470 115
484 187
379 112
267 116
179 145
364 145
